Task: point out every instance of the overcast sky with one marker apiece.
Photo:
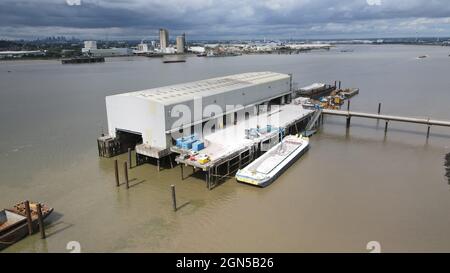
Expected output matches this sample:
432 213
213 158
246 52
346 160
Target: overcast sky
224 19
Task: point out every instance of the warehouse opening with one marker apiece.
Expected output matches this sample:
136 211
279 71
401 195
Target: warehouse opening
128 139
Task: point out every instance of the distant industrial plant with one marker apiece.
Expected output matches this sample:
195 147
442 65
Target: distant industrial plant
62 47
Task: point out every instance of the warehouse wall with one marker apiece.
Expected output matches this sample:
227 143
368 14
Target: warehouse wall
152 119
244 96
137 115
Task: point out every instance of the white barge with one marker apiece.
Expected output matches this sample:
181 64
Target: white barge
270 165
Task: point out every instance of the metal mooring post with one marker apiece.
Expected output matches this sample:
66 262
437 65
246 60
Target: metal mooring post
116 172
125 169
348 121
174 198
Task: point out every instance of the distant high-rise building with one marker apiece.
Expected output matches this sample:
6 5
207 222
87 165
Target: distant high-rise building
181 43
90 44
163 38
90 48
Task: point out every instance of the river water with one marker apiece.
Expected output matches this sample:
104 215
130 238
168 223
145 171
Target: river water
349 189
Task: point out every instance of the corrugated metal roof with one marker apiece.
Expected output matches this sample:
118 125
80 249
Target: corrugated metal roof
182 92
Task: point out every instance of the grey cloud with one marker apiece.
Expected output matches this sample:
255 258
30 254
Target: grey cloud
225 18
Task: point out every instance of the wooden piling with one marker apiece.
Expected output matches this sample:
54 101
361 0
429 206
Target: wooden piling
170 161
40 220
125 169
386 126
99 148
379 108
348 105
28 215
208 184
116 172
182 174
428 131
129 158
174 198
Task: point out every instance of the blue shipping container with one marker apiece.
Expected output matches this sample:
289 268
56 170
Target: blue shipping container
198 145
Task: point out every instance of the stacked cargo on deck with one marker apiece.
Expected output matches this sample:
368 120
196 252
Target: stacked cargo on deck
190 142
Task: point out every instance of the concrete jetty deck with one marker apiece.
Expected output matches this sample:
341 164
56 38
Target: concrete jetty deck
228 149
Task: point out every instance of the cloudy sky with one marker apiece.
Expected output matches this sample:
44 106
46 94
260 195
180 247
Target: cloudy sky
224 19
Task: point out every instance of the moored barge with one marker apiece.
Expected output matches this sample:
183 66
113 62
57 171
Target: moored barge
268 167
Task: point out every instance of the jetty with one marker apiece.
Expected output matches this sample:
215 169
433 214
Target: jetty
387 118
169 123
350 114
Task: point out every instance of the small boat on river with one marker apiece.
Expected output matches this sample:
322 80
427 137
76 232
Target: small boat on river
14 225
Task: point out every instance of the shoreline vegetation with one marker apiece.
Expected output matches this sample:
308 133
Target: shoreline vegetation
60 48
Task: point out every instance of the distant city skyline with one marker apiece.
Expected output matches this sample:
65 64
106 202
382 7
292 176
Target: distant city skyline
224 20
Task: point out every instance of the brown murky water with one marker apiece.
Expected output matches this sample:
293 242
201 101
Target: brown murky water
350 188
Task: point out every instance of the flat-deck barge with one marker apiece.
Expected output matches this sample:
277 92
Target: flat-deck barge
83 60
268 167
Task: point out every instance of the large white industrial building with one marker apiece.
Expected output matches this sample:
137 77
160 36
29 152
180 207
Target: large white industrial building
90 48
151 115
163 38
181 43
